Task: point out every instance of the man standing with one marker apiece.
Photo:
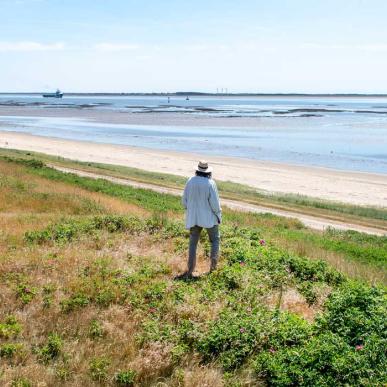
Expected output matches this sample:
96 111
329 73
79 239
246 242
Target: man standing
201 202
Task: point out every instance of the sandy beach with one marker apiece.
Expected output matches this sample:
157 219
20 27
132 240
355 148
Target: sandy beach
350 187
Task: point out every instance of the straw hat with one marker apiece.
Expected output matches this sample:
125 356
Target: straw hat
203 167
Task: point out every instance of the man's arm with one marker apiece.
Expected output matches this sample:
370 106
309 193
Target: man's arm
185 196
215 201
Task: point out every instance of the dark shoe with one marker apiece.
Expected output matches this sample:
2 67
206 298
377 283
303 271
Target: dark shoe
184 277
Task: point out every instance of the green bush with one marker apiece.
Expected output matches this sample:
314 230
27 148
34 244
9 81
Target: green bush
47 294
9 350
21 382
99 369
74 302
154 293
25 292
153 330
69 229
229 277
308 291
10 327
355 311
287 330
125 378
234 336
51 349
187 332
311 270
325 360
31 163
96 329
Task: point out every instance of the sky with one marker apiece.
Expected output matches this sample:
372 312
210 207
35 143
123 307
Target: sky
306 46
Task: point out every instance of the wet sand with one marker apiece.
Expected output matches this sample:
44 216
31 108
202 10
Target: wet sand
122 116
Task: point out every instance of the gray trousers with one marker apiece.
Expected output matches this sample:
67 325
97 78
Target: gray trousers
213 235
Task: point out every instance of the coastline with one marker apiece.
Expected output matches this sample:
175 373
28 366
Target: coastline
360 188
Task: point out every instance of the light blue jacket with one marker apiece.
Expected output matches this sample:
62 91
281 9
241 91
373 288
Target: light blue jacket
201 201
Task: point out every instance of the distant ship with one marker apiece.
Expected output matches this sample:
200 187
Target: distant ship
57 94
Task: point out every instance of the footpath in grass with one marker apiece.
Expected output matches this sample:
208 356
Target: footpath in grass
366 215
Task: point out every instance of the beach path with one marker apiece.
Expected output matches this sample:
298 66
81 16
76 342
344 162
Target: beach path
314 222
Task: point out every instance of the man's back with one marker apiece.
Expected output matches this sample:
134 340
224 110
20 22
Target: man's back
201 201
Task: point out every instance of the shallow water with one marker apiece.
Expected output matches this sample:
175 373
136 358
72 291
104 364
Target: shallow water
214 105
341 133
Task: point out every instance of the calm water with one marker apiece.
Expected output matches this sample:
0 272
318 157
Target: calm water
342 133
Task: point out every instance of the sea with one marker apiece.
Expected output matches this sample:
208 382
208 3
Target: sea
346 133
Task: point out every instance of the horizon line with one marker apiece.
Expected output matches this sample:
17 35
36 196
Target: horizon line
200 93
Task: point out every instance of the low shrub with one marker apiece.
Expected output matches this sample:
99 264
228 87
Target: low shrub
153 330
308 291
74 302
98 369
287 330
96 329
47 295
311 270
69 229
355 311
51 349
10 327
125 378
234 336
25 292
21 382
31 163
10 350
325 360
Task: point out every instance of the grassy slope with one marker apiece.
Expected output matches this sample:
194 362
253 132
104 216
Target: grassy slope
355 253
362 215
88 297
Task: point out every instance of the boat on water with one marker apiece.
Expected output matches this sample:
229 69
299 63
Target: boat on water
57 94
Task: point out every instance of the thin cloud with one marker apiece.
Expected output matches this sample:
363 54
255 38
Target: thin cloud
20 2
29 46
365 47
206 47
374 47
115 47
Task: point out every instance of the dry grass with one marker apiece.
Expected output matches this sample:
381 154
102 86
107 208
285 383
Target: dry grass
352 268
52 272
291 300
59 267
24 193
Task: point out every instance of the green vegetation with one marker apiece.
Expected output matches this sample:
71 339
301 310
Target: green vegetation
21 382
345 348
10 350
99 369
10 327
357 246
125 378
96 330
366 215
51 349
91 298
